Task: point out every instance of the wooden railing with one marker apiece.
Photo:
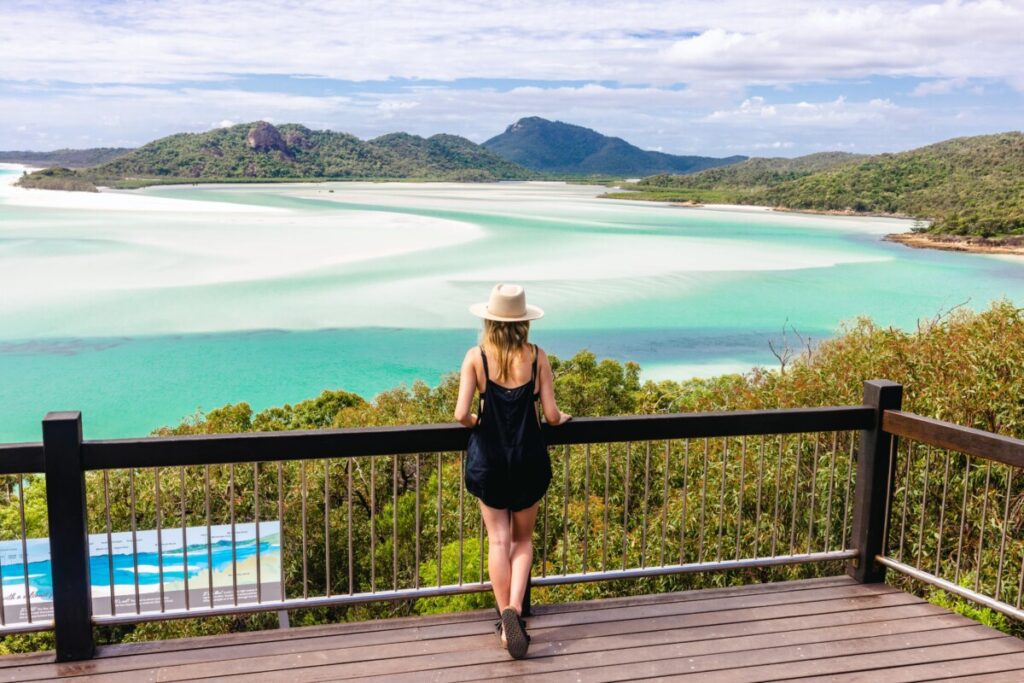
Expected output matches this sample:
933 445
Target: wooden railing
757 489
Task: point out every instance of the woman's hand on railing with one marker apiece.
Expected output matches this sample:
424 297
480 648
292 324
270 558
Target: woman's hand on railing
468 421
563 417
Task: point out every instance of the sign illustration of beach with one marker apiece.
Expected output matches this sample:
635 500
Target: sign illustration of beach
151 570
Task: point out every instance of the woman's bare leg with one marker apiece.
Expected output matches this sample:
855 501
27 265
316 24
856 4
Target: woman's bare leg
521 554
499 543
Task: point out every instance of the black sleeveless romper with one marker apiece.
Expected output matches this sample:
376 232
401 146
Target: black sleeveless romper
507 462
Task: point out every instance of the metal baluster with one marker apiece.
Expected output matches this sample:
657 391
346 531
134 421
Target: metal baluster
462 488
703 503
963 516
796 490
110 543
394 522
234 543
814 490
373 527
280 524
831 481
565 508
159 536
685 494
305 553
24 554
942 516
256 517
664 507
209 536
981 529
906 496
893 455
439 557
924 502
184 538
849 482
607 474
1006 523
544 548
740 495
351 559
778 488
643 514
416 566
327 526
481 544
757 514
625 506
721 498
586 503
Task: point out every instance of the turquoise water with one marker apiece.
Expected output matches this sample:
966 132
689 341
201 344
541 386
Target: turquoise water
180 299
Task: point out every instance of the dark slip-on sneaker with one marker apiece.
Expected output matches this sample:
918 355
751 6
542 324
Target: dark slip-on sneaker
515 633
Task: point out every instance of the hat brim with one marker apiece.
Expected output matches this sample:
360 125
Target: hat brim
480 311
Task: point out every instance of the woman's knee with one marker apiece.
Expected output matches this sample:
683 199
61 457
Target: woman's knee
501 540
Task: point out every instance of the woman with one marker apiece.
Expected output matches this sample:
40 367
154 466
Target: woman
507 463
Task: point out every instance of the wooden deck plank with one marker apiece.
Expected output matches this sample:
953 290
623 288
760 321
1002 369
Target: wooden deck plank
822 629
835 597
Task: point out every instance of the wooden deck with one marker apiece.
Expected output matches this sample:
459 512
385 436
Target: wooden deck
822 629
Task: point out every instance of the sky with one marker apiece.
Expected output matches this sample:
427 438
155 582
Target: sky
716 78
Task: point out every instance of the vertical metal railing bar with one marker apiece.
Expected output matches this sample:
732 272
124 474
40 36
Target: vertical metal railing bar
394 522
327 527
684 493
373 527
544 540
565 507
439 558
607 475
924 502
703 503
963 516
981 528
625 505
643 514
741 495
110 542
480 539
305 550
893 454
159 536
1020 583
664 506
796 492
256 517
209 535
814 490
849 485
831 482
416 565
280 525
24 554
1006 523
184 536
234 535
757 512
462 488
586 503
942 515
721 498
351 560
778 488
906 496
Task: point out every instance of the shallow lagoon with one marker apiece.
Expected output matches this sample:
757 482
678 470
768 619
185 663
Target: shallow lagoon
138 308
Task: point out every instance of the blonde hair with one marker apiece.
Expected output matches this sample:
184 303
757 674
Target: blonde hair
505 340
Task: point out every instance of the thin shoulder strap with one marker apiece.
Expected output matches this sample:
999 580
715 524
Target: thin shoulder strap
533 370
484 357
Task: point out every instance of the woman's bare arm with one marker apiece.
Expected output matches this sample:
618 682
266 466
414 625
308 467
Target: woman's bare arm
467 387
552 414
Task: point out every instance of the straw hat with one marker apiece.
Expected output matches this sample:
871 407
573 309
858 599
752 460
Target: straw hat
507 304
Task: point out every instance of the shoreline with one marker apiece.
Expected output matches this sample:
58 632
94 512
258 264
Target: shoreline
973 245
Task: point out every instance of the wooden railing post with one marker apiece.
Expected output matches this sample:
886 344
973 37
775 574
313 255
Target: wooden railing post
69 536
874 479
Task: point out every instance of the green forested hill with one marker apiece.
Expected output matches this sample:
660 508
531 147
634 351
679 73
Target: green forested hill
968 186
261 151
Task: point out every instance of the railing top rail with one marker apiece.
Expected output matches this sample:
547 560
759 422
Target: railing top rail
955 437
336 443
21 458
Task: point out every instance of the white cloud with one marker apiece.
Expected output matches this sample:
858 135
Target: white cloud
835 113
